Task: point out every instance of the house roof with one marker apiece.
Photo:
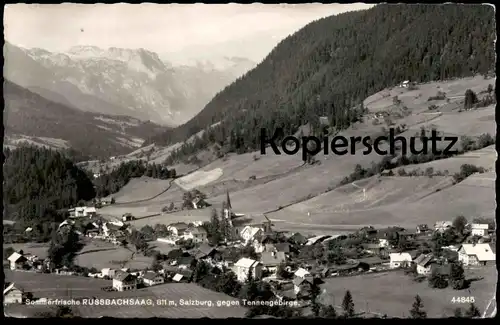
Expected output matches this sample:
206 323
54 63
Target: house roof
150 276
90 210
282 247
299 280
298 238
483 226
246 262
482 251
424 259
250 231
196 230
179 225
186 260
16 257
400 257
122 276
177 277
443 224
302 273
316 239
12 286
272 258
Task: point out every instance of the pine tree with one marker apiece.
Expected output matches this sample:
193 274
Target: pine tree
417 308
348 305
472 312
457 277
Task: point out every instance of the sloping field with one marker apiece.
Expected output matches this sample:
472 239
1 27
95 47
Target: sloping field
398 291
168 301
57 286
405 201
419 98
140 188
199 178
485 158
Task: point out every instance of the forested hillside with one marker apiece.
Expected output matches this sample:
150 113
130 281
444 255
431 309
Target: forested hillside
38 182
332 64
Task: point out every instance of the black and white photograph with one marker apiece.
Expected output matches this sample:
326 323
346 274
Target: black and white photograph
329 161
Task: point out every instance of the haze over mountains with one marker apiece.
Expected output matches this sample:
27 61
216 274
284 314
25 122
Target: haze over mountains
119 81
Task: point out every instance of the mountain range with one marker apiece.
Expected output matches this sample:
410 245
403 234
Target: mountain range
123 82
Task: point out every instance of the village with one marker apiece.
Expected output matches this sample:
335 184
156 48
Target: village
290 263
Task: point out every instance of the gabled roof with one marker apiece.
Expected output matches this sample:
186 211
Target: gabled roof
246 262
205 250
179 225
150 276
177 277
400 257
122 276
424 260
272 258
483 252
251 231
302 273
282 247
483 226
299 280
12 286
16 257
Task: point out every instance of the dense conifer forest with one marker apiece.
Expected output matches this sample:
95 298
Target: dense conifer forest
39 181
328 67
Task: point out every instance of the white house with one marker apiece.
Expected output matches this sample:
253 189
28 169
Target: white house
248 234
13 294
79 212
177 229
244 266
152 278
400 260
123 281
476 254
424 263
302 273
17 261
478 229
197 234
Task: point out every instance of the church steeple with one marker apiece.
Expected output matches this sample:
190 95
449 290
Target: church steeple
228 201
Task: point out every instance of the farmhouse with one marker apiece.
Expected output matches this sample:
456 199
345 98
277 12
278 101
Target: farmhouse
246 265
478 229
248 234
476 254
206 252
17 261
302 286
152 278
123 281
14 294
271 260
82 212
424 263
197 234
400 260
178 228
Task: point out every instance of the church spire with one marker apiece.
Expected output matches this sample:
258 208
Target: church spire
228 201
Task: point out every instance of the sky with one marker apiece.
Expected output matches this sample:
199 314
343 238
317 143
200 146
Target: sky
236 30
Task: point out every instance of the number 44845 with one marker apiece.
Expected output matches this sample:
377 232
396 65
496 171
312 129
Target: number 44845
463 300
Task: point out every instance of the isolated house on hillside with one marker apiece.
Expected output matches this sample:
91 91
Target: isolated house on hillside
17 261
478 229
476 254
400 260
246 265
